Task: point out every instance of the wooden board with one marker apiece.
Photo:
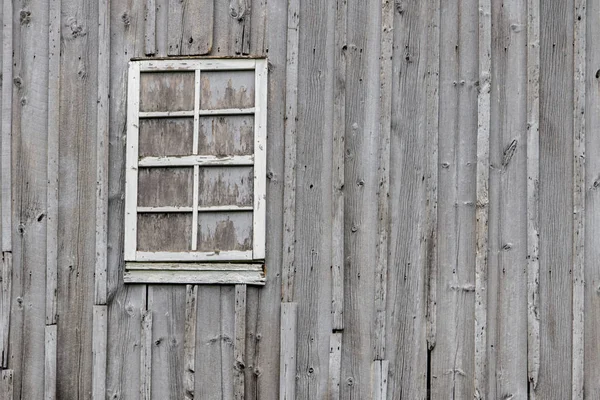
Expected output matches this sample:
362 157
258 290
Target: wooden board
152 230
166 137
166 91
165 187
221 89
222 186
190 27
226 135
225 231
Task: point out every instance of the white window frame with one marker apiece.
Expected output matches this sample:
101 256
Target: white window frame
195 266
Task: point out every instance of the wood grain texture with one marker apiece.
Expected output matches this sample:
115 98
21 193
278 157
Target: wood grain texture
7 115
533 184
239 342
167 303
507 284
99 344
190 27
335 365
146 355
452 359
579 133
29 169
50 362
150 28
592 204
7 278
362 340
189 341
7 384
288 350
556 199
240 11
408 230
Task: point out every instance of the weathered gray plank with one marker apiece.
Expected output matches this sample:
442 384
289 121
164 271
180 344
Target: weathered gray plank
409 236
209 341
592 210
167 303
162 27
77 194
335 365
227 337
259 28
99 343
239 342
7 385
337 159
452 359
189 340
556 199
290 142
7 92
312 281
379 377
150 28
364 327
579 133
506 329
240 11
533 175
7 277
190 27
50 363
30 177
124 301
146 355
482 197
288 348
54 30
252 342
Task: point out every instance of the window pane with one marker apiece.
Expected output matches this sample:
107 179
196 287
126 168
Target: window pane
226 136
221 186
167 91
226 89
164 232
166 137
225 231
165 187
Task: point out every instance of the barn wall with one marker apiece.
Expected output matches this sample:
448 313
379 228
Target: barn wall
431 204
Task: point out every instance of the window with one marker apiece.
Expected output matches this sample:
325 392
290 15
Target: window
196 171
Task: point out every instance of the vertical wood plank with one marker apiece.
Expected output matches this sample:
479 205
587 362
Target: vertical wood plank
362 337
533 176
289 178
239 343
592 203
7 271
29 169
6 388
124 301
260 161
50 363
189 341
383 174
146 356
379 377
287 364
335 365
209 341
167 303
452 359
431 179
252 369
150 28
337 159
556 199
102 138
186 35
7 91
482 197
162 28
99 344
53 154
579 133
240 11
228 338
131 171
506 325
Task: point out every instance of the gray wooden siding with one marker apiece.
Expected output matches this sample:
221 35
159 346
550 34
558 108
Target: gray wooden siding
432 202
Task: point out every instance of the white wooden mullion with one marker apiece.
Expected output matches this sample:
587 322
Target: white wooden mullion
203 64
186 161
131 175
228 111
229 255
196 167
260 160
176 209
165 114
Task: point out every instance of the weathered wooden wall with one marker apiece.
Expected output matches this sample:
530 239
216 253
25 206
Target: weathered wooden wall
433 204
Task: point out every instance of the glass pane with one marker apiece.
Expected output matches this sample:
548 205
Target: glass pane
165 187
226 136
226 89
166 137
221 186
221 231
164 232
167 91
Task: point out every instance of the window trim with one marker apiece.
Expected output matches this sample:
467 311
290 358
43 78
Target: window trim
184 266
